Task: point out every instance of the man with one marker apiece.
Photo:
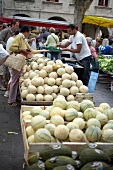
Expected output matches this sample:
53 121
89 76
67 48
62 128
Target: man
80 47
44 35
8 32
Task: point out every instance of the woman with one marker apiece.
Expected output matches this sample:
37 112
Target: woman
52 40
19 45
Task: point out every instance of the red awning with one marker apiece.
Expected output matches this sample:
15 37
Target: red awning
38 22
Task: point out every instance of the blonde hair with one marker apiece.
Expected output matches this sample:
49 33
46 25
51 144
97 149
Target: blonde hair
52 30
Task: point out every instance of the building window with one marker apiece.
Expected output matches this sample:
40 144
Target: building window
53 0
103 3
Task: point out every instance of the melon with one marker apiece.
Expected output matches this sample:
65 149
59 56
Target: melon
34 66
107 135
51 81
53 75
93 122
26 75
73 83
39 97
60 102
108 126
40 90
76 135
79 83
27 82
80 122
58 81
30 97
46 80
74 105
42 81
74 76
61 71
25 113
36 82
74 90
35 110
69 69
31 139
70 98
27 117
53 140
40 60
72 125
61 132
29 131
102 118
93 134
57 120
109 113
32 89
59 62
71 114
64 91
104 106
66 83
49 68
90 113
85 104
42 135
51 128
48 97
42 73
54 95
45 113
80 115
83 89
38 122
56 111
24 93
32 74
40 66
66 76
48 90
55 89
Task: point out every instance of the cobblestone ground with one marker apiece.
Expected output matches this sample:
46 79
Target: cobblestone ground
11 146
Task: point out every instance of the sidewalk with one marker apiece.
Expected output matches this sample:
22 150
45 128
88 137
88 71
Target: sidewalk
11 145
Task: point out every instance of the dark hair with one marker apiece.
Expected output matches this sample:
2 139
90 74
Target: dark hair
14 22
16 32
72 26
25 28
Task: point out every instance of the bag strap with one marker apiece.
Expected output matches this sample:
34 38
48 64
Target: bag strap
54 38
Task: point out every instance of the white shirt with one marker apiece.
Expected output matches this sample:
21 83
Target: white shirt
66 52
9 42
3 52
80 39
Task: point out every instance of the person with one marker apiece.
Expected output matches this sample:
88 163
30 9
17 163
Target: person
1 27
3 55
9 42
5 25
8 32
44 35
4 36
92 49
19 45
80 47
66 53
52 40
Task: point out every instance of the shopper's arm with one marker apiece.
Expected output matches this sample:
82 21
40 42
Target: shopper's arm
79 46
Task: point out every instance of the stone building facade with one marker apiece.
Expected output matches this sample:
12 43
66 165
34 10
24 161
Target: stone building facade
56 10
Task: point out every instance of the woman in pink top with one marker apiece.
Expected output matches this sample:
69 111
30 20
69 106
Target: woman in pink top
92 49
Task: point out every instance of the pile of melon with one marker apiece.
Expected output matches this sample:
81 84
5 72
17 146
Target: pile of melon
70 121
44 80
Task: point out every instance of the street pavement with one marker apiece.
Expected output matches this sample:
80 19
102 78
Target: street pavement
11 145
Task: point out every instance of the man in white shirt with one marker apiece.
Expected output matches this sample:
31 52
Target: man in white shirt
80 47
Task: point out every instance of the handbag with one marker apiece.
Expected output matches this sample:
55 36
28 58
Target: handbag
15 61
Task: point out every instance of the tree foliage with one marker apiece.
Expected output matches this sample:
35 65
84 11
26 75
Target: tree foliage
80 7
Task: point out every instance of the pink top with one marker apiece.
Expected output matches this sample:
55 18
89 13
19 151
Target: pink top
93 52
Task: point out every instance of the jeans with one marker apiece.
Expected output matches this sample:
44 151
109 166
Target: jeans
86 71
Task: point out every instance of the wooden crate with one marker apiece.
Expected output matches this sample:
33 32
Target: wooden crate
36 147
